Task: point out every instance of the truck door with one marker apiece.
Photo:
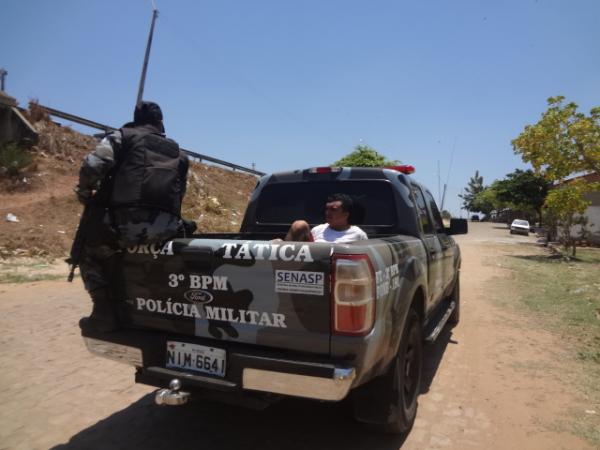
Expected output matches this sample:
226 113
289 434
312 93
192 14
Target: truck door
446 241
434 249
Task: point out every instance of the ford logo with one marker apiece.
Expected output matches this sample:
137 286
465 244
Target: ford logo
198 296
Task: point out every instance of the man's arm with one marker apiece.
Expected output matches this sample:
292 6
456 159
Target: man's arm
184 164
96 166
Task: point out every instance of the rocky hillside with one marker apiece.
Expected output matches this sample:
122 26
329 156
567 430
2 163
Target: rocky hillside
39 212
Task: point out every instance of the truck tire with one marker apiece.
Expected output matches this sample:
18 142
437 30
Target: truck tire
395 393
455 297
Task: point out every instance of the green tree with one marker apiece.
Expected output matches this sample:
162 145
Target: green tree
523 190
364 156
486 201
474 187
562 143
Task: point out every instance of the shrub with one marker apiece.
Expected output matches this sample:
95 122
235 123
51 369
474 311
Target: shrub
13 159
37 113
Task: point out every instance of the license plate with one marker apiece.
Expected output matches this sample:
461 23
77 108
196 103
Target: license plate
199 358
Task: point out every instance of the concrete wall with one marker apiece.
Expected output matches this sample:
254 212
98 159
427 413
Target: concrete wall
14 127
593 216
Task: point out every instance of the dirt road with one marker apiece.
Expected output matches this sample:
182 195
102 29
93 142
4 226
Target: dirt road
493 382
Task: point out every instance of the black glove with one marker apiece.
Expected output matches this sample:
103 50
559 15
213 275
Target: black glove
189 226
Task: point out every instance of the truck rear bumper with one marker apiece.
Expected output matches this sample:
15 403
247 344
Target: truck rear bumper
117 352
253 372
335 388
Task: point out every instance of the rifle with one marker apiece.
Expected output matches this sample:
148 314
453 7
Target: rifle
79 241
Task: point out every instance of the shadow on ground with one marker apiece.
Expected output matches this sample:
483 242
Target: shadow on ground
551 259
433 357
289 424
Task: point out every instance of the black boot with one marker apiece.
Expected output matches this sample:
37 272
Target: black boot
104 314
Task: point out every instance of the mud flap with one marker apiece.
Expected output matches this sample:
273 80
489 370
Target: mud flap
369 405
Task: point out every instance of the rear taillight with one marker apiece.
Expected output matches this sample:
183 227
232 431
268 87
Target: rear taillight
352 295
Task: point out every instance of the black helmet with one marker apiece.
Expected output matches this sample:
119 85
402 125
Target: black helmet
147 113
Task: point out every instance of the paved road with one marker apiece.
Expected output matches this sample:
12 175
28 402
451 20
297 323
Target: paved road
55 395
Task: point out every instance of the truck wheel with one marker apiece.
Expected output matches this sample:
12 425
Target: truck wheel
455 297
405 374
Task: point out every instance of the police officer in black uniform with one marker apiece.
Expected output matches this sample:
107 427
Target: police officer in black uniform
132 185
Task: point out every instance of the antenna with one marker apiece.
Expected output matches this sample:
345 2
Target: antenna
439 190
449 170
147 55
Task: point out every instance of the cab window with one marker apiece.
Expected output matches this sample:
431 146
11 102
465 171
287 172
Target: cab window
435 212
422 210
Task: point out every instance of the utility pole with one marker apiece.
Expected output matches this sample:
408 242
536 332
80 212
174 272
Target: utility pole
147 56
449 169
444 196
3 74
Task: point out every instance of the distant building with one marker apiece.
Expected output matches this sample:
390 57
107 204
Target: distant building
592 213
14 127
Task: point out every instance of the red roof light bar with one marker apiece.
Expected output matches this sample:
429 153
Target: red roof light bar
324 169
405 169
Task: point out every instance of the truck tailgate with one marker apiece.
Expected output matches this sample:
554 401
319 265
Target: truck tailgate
273 294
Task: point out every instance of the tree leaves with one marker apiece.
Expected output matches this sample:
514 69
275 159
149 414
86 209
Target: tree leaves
474 187
524 190
563 142
364 156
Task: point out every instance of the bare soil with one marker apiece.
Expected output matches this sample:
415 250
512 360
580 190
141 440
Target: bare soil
43 201
495 381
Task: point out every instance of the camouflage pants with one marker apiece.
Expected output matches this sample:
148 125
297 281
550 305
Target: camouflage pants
135 226
96 266
128 227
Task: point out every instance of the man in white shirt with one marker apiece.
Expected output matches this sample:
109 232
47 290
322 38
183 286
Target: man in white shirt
337 228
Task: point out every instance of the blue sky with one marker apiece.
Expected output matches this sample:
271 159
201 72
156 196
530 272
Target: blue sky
296 84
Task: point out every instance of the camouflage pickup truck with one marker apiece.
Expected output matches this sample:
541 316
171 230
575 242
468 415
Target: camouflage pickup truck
245 319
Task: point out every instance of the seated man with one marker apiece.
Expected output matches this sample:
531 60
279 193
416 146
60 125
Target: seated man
337 229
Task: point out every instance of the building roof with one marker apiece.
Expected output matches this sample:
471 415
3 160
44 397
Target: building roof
592 177
7 100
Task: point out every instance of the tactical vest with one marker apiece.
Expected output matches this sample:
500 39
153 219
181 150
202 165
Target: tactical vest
147 172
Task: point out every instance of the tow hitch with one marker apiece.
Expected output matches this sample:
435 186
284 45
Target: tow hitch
172 396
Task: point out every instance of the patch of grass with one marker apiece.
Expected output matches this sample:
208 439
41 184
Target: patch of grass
13 159
13 277
587 430
564 294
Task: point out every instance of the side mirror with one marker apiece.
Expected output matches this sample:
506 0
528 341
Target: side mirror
458 226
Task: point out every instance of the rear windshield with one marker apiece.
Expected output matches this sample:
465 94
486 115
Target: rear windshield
282 203
521 222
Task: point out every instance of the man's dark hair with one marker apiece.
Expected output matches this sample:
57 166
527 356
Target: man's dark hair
347 202
147 113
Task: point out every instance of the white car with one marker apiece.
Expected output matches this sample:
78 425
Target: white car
520 227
